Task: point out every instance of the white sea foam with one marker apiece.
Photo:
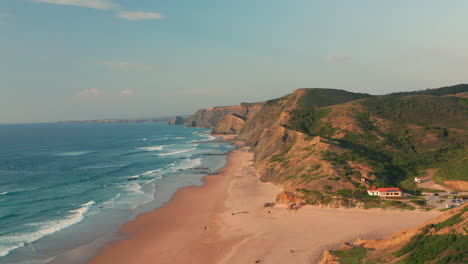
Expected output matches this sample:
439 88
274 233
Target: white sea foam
208 137
152 172
152 180
158 139
153 148
104 166
176 152
134 187
12 242
3 193
74 153
5 250
187 164
112 200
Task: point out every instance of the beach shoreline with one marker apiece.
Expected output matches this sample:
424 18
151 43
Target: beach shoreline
225 221
81 253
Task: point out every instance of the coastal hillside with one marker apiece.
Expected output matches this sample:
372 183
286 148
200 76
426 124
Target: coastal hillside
327 146
441 240
210 117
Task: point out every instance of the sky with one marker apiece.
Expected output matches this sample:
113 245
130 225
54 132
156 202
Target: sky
95 59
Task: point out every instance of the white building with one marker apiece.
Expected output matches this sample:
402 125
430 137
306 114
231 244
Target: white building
385 192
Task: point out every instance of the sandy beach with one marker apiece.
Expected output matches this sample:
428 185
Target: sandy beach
225 221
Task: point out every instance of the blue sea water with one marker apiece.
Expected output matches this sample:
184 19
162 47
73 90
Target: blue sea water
64 185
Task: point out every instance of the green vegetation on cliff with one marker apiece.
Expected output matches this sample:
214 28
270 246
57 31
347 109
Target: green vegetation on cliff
432 244
320 97
395 135
448 90
387 139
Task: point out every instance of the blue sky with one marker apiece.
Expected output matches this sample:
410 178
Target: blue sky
90 59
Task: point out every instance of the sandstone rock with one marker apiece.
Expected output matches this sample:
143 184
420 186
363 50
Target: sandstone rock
328 258
177 120
210 117
230 124
287 197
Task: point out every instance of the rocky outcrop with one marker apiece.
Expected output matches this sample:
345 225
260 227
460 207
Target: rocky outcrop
177 120
287 197
210 117
274 112
328 258
230 124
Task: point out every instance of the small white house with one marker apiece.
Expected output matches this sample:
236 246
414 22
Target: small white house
385 192
417 180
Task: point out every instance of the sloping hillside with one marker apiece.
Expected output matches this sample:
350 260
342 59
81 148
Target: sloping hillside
385 139
320 143
441 240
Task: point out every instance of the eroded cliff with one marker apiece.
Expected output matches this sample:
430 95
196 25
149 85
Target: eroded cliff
230 124
328 145
210 117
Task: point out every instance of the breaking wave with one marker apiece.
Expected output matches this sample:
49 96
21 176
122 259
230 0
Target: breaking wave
74 153
12 242
176 152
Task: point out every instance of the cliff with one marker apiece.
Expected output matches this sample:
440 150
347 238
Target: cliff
327 140
326 146
210 117
230 124
177 120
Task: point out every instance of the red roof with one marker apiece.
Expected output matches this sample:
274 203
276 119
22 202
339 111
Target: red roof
388 190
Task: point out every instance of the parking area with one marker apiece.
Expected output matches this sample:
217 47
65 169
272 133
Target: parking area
446 199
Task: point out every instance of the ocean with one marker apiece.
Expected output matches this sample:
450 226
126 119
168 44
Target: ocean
65 185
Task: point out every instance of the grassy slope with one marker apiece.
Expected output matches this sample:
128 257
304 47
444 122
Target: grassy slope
448 90
399 134
318 97
435 243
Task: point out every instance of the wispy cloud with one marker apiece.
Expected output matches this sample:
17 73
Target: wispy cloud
337 57
123 65
93 92
107 5
95 4
126 92
140 15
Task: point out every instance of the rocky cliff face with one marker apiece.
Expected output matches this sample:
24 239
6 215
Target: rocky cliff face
177 120
332 143
230 124
291 158
210 117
